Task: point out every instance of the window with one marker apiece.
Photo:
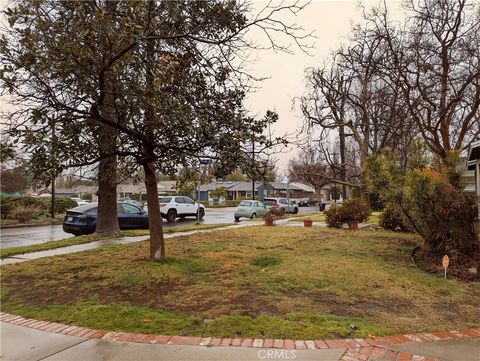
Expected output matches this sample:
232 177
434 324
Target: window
180 200
165 199
189 200
282 201
130 208
245 204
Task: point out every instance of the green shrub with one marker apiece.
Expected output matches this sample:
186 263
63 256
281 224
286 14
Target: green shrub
26 213
5 209
332 217
14 206
393 218
441 212
62 204
431 197
354 210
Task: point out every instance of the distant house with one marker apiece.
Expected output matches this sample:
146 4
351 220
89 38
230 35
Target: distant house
473 165
133 191
243 190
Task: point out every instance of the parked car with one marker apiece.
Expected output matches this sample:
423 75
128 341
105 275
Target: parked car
250 209
131 201
175 207
83 219
80 201
287 205
307 202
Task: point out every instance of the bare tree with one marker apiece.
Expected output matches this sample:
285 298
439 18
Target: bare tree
435 59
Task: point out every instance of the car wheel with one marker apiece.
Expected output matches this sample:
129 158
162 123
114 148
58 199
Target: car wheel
295 210
237 219
282 210
253 216
202 213
171 216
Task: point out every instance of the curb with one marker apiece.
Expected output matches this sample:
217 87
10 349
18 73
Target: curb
20 225
357 349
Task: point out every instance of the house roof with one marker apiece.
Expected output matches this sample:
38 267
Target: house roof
244 186
284 186
163 186
73 190
473 154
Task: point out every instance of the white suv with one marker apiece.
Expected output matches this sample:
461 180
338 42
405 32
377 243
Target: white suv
173 207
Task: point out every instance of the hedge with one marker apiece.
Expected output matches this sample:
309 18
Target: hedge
36 206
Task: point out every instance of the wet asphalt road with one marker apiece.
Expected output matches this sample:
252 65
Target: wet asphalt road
24 236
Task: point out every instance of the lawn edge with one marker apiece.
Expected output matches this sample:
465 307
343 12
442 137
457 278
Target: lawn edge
353 347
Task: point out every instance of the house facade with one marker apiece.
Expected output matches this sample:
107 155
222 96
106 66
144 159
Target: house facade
473 166
237 190
134 191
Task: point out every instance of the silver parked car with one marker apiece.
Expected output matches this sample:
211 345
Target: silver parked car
282 203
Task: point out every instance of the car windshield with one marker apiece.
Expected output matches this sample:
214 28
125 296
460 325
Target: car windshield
165 199
245 204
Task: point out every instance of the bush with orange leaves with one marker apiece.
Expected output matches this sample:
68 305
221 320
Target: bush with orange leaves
440 210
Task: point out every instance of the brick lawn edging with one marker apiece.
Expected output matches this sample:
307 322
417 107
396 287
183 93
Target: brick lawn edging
357 349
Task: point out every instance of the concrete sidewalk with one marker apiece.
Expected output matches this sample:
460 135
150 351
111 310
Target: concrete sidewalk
26 344
29 344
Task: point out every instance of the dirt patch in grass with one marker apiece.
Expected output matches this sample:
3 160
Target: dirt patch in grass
461 267
254 304
255 282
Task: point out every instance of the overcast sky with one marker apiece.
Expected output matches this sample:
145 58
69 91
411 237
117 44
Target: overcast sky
332 21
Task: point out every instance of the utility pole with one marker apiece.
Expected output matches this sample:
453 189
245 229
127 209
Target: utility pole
343 161
253 166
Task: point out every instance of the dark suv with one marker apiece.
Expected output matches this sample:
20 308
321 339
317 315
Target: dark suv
307 202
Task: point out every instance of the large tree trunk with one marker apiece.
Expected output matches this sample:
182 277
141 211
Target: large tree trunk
157 242
107 219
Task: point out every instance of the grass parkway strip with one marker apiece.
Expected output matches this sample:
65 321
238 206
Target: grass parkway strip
8 252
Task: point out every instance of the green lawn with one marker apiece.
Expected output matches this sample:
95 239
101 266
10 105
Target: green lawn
374 218
266 282
8 252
